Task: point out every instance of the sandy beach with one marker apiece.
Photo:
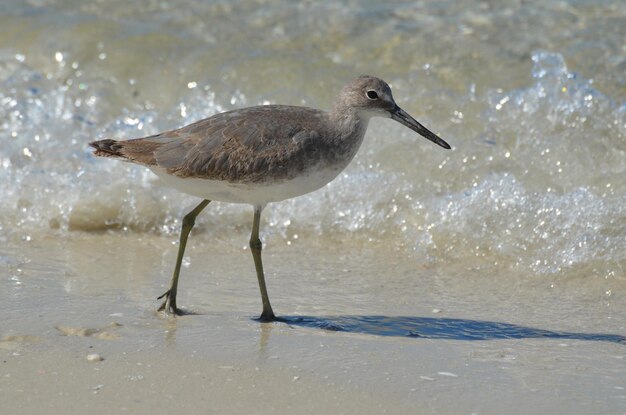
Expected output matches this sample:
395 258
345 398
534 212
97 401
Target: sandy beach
367 332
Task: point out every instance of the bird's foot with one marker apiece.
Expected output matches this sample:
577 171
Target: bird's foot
268 317
169 305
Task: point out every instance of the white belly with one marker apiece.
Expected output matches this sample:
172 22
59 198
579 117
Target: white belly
250 193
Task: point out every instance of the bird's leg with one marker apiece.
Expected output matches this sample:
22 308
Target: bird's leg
255 246
169 305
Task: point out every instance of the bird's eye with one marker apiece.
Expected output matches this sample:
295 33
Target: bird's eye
371 94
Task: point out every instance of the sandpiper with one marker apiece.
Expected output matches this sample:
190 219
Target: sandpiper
259 155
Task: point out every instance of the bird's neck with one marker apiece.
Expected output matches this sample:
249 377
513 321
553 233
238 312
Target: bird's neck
348 131
348 123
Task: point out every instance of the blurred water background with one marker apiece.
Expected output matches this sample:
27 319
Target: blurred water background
531 95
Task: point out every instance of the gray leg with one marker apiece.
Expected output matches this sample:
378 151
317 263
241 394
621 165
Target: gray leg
169 305
255 246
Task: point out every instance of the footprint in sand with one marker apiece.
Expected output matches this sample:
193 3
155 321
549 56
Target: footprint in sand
105 333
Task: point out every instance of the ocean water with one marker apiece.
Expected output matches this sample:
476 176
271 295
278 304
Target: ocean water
532 97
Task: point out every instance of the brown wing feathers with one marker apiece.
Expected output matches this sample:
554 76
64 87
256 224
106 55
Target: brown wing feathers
245 145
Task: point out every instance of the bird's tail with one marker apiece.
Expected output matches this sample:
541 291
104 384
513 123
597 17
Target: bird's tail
138 150
107 148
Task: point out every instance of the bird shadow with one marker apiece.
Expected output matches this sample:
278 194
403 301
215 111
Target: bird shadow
439 328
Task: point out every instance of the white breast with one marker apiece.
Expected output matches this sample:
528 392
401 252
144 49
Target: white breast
250 193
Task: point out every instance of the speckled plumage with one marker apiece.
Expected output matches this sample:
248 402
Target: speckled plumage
243 146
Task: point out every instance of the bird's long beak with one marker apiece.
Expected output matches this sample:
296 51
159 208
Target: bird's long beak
405 119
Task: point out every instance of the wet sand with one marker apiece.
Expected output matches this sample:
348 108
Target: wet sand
368 332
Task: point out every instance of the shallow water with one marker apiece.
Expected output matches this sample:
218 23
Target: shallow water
537 120
531 201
